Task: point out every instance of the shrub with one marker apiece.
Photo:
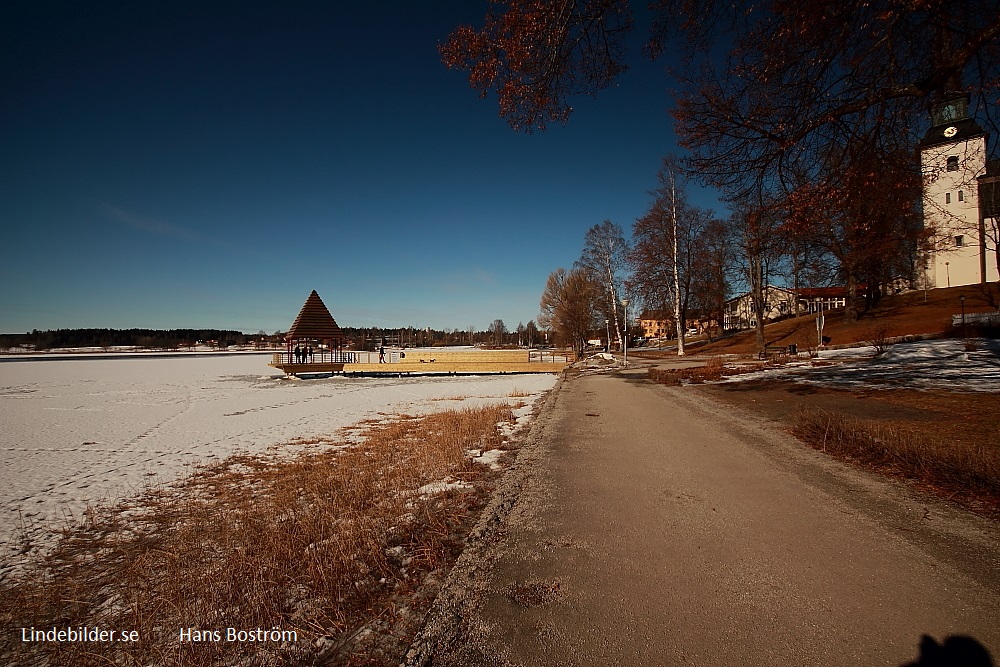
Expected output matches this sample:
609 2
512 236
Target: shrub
879 337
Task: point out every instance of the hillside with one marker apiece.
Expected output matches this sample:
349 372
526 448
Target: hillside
906 314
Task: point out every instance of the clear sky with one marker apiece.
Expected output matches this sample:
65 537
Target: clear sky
191 164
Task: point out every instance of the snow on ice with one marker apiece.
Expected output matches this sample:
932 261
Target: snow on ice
91 429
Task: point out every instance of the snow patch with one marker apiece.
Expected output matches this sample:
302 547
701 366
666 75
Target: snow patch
930 364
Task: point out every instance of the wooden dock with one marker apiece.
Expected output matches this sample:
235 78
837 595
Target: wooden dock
429 362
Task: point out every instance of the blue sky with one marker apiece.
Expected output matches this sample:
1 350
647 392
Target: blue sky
181 164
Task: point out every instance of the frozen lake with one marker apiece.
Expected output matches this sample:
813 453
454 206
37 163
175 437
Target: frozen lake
82 430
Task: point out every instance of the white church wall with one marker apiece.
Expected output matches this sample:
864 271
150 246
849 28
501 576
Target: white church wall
951 206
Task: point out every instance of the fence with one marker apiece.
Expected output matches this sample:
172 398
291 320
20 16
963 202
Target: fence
986 319
318 357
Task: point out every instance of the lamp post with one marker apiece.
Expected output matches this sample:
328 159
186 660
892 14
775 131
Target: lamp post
961 298
947 272
607 326
625 339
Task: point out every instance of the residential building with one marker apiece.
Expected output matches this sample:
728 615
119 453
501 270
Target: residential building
780 302
657 324
738 312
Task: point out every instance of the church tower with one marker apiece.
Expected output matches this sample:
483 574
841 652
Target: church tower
952 160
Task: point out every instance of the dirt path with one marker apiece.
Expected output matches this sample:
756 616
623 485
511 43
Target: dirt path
651 526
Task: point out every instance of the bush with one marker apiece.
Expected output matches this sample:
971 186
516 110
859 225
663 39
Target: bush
879 337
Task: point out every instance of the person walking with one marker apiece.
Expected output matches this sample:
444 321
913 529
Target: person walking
381 354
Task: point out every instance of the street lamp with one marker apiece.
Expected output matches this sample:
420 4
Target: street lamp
625 339
961 298
947 272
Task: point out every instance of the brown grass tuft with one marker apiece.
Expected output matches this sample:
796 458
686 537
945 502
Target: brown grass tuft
962 467
713 371
338 546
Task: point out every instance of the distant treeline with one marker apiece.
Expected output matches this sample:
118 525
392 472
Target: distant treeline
356 338
150 338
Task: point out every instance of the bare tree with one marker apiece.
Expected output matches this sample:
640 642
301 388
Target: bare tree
670 250
759 249
863 210
535 55
531 333
497 331
797 72
568 306
712 262
604 256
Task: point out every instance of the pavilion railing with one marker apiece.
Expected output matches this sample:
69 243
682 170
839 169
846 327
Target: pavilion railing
317 357
397 356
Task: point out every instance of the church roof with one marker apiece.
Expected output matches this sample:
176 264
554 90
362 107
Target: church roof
314 322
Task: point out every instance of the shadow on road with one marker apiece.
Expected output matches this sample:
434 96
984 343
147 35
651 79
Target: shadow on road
955 651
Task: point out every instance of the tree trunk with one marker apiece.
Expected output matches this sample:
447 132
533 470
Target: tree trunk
851 308
796 268
614 308
757 287
677 282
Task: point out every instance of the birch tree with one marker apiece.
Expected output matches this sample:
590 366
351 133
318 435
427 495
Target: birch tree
604 256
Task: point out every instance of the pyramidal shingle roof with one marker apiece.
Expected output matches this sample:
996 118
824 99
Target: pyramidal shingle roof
314 321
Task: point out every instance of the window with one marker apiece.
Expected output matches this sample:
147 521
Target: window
959 241
952 163
961 196
947 198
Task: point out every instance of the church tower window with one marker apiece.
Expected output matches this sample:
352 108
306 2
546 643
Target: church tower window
952 163
961 195
960 241
947 198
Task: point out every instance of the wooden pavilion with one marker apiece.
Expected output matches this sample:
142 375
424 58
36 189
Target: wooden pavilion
314 342
315 330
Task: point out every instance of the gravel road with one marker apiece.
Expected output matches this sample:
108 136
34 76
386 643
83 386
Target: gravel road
647 525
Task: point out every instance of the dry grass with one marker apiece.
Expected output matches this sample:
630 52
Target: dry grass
338 546
715 369
951 466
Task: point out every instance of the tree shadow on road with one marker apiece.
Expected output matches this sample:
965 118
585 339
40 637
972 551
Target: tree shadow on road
954 651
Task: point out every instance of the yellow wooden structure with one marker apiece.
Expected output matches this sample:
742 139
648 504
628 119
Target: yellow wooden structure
426 362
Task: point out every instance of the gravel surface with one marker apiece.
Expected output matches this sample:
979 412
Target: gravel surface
642 524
